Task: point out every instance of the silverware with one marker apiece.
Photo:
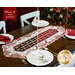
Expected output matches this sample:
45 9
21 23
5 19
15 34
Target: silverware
25 62
73 41
55 54
64 37
67 38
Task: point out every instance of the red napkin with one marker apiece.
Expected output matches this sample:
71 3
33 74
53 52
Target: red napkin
70 32
4 38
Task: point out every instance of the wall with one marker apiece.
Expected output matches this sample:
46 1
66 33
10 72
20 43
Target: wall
12 25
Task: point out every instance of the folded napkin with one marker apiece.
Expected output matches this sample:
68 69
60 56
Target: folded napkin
39 56
70 32
4 38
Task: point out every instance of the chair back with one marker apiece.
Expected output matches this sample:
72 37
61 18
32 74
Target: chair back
24 17
3 25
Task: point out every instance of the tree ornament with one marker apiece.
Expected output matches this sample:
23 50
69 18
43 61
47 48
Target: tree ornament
68 16
61 7
57 10
54 22
53 13
51 9
70 10
49 16
63 20
73 10
60 23
61 16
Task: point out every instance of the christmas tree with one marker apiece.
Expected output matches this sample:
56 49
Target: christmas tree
62 14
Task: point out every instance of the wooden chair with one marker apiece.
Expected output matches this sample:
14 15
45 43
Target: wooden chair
3 25
24 17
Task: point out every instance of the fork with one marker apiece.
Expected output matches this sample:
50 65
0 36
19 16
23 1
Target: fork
25 62
55 54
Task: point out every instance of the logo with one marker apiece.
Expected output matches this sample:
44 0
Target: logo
10 13
65 57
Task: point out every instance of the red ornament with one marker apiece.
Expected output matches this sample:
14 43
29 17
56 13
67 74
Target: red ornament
68 16
71 8
57 10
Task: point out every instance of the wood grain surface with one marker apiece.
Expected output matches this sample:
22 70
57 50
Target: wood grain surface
56 47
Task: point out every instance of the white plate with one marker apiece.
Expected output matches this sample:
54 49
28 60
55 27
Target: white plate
10 36
40 23
38 62
70 37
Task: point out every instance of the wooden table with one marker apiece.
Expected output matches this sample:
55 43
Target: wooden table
56 47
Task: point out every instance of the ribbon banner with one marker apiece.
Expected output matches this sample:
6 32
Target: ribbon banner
10 13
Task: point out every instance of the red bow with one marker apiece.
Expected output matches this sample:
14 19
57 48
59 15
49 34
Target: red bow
67 8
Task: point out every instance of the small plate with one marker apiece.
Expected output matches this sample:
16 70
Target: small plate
40 23
70 37
37 62
10 36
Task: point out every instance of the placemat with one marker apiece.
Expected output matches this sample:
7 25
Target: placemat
35 40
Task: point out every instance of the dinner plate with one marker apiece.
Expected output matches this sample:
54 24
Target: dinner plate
10 36
40 23
38 62
70 37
